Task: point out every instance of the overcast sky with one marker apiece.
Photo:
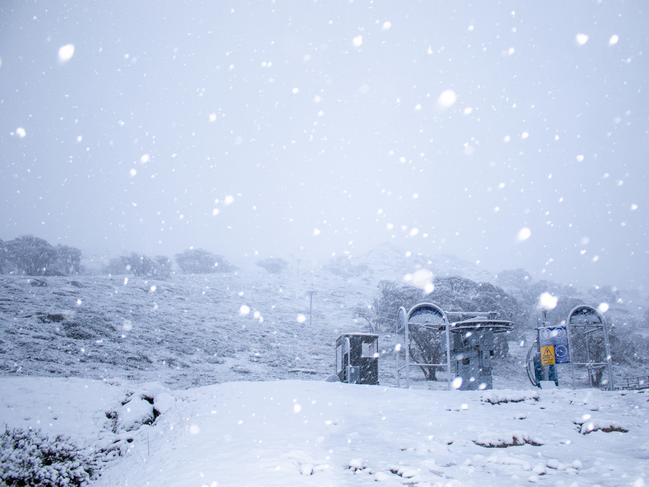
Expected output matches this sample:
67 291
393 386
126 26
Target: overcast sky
515 134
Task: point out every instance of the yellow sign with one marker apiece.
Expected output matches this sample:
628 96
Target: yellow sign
547 355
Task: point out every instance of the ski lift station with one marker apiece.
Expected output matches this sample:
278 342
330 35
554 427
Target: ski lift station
461 344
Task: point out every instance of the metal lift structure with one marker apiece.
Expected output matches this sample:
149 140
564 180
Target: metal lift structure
467 337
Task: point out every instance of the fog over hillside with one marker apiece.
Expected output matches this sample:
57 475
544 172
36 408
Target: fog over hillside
512 134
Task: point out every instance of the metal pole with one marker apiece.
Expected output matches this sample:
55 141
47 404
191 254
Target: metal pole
310 307
348 344
401 322
448 352
407 340
589 369
570 350
607 346
398 374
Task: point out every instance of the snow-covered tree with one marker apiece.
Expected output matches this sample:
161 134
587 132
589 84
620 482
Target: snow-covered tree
200 261
31 256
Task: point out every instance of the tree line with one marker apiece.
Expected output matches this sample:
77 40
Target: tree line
33 256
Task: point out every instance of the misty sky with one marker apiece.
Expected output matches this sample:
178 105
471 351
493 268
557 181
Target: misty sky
311 128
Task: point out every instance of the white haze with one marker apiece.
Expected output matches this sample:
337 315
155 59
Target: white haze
311 128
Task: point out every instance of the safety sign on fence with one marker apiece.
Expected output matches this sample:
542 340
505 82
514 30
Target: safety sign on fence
547 355
553 341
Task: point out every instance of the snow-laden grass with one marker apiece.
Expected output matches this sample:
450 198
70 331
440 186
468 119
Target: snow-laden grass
182 332
296 433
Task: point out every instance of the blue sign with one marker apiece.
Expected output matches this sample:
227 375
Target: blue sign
558 337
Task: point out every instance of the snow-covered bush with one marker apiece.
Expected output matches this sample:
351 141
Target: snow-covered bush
344 267
199 261
29 458
67 261
33 256
30 255
140 265
274 265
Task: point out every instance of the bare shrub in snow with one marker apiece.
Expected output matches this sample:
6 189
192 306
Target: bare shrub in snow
29 458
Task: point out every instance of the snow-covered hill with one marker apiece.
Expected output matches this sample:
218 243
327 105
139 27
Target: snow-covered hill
194 329
296 433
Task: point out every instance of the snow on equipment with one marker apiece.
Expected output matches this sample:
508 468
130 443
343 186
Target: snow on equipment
357 358
460 343
581 340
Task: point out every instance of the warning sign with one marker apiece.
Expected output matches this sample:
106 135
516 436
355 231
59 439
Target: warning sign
557 336
547 355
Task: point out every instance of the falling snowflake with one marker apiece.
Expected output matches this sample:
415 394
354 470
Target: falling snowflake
21 132
300 318
524 234
547 301
66 52
244 310
581 38
447 98
357 41
422 279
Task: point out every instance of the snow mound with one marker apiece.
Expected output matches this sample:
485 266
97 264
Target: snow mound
136 411
507 440
587 426
505 396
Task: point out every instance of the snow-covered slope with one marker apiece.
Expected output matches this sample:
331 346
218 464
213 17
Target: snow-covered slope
189 330
295 433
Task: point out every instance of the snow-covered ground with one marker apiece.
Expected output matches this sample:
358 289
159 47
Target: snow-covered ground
282 433
192 381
